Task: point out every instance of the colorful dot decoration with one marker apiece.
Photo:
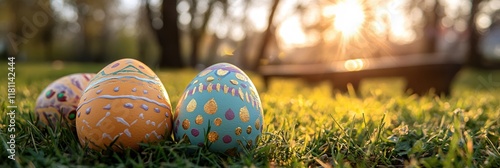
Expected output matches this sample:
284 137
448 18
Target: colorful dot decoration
221 106
60 99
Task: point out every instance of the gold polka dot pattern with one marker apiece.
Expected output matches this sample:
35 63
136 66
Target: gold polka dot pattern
225 108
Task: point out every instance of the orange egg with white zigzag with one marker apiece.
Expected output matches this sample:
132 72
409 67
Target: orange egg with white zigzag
125 104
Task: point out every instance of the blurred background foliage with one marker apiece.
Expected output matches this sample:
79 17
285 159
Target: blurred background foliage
248 33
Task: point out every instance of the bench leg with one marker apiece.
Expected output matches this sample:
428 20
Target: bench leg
266 80
422 85
342 85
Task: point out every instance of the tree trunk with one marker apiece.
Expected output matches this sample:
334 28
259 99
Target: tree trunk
170 54
474 57
85 53
245 52
168 35
15 26
104 38
261 51
142 42
47 37
195 48
198 34
212 50
432 28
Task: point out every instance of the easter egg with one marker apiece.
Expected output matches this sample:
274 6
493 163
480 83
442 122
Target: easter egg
124 105
221 107
60 99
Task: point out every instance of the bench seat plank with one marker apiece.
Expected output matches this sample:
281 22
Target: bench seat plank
422 72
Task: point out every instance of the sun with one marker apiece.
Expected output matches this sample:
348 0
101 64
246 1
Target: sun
348 15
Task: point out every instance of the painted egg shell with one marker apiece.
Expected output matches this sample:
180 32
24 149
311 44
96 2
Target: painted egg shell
61 98
222 106
125 102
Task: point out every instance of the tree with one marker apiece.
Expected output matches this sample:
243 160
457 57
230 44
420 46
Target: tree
93 17
262 48
32 22
84 47
168 34
141 26
46 32
198 33
433 16
16 38
474 57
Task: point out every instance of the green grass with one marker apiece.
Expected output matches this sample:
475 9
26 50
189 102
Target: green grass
304 126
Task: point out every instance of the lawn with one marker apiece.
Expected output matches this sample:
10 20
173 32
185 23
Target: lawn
304 126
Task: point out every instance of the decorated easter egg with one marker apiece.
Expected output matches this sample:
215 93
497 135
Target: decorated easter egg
125 104
60 99
220 109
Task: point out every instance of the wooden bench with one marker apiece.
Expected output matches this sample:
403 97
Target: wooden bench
422 72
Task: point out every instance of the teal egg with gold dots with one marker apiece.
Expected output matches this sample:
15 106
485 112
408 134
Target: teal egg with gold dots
221 110
59 100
